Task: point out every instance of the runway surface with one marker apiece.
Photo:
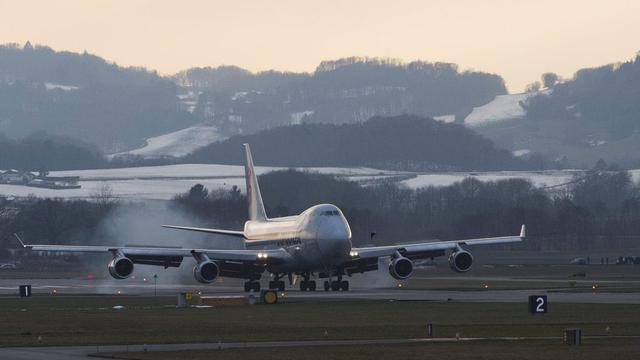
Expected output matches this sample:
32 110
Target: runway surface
83 352
113 287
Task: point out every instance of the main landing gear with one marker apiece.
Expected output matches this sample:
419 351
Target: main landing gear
336 285
306 284
252 286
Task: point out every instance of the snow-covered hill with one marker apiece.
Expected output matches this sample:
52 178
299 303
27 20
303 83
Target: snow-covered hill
503 107
177 143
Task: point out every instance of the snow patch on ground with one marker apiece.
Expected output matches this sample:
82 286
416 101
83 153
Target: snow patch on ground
538 178
296 118
445 118
503 107
54 86
177 143
521 152
164 182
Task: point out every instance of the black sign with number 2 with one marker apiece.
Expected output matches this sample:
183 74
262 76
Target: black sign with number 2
538 304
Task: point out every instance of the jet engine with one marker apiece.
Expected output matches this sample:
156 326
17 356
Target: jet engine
400 267
460 261
120 267
206 271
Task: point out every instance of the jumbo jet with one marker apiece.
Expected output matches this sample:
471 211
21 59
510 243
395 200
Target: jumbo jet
315 244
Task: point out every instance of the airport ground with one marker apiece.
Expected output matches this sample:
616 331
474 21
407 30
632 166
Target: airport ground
596 349
77 320
489 302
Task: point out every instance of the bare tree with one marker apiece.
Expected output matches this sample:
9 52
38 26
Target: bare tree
104 196
533 87
549 79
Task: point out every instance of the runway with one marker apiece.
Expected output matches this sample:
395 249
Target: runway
63 287
84 352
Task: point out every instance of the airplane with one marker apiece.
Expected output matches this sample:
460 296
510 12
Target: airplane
314 244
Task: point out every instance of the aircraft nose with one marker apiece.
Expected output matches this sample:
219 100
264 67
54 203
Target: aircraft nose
334 238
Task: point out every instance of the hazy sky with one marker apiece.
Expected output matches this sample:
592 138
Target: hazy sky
516 39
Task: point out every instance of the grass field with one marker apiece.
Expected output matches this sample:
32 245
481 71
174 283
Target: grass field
91 320
614 278
529 350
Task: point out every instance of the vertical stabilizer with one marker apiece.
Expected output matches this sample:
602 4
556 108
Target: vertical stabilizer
256 207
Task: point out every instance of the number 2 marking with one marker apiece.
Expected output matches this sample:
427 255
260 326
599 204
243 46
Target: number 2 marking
540 302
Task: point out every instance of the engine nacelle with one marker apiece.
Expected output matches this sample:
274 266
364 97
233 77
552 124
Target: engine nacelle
206 271
121 267
460 261
400 267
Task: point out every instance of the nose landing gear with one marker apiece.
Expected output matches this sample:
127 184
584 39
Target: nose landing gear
277 284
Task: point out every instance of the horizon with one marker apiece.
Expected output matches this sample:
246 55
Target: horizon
518 41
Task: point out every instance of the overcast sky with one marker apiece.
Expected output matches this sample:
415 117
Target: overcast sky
517 39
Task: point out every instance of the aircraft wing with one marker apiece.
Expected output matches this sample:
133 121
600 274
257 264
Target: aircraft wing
259 256
206 230
429 249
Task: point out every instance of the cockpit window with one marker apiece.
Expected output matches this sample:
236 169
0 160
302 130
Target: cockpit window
330 213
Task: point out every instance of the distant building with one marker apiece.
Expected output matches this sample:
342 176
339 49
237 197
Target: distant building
27 178
16 177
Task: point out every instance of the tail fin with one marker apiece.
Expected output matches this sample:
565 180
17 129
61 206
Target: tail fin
256 207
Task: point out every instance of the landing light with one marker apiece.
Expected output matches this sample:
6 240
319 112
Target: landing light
353 253
262 255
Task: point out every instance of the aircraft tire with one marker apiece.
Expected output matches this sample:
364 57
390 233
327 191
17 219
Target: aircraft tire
344 285
335 286
326 286
247 286
255 286
280 285
311 285
303 286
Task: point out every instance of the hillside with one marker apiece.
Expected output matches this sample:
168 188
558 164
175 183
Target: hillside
341 91
176 143
85 97
592 116
401 142
44 152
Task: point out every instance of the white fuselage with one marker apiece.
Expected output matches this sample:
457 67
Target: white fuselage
318 239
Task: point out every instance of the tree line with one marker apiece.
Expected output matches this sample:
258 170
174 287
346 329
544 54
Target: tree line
43 152
598 210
